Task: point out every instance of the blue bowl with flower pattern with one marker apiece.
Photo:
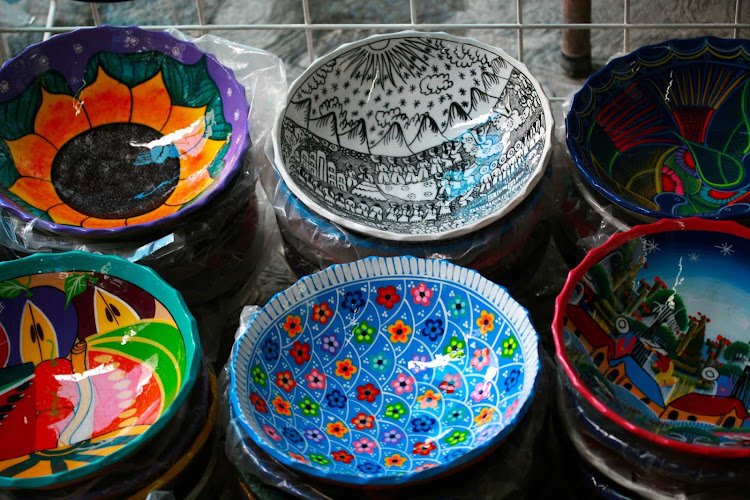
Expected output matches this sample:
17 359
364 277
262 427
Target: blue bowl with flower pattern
384 371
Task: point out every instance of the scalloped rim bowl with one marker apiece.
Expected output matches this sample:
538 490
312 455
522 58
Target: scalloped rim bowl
445 197
689 269
445 426
62 63
150 282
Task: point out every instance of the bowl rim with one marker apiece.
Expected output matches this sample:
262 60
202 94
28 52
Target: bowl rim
384 267
323 211
149 281
561 303
576 103
230 171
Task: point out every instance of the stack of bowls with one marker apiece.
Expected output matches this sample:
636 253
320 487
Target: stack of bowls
384 372
121 140
651 334
103 393
413 143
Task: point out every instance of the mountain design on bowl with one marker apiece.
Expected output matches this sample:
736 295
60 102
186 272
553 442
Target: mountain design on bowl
98 136
414 135
658 331
88 363
664 130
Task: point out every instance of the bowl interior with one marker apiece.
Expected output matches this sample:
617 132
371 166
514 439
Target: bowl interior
374 371
108 128
92 364
657 331
414 135
663 131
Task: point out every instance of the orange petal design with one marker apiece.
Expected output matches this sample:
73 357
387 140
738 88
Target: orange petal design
63 214
33 156
151 103
187 125
36 192
97 223
60 118
200 157
189 188
155 214
106 100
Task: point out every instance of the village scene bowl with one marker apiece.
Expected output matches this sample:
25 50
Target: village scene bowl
96 356
414 136
112 131
651 329
662 132
384 371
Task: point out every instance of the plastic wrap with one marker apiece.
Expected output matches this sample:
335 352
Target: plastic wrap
225 243
506 472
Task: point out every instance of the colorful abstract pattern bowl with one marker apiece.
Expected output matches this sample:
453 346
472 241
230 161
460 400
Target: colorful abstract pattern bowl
384 371
414 136
663 131
652 329
96 354
108 131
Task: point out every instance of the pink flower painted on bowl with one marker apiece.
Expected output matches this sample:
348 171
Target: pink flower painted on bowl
429 399
364 445
402 384
271 432
481 359
511 410
315 379
421 295
450 383
425 466
481 391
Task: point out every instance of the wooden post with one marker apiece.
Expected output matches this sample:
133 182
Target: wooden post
576 43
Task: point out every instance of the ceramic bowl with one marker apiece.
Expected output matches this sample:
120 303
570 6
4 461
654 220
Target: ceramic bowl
111 131
414 136
651 329
97 354
656 131
384 371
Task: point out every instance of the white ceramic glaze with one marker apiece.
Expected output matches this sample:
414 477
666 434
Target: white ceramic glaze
414 136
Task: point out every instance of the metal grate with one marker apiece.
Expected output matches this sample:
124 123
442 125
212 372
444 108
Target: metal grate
309 27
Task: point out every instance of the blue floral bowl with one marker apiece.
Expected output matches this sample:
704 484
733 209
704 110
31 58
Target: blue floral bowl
384 371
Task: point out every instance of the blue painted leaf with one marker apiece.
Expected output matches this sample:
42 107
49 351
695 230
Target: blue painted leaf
39 214
8 172
218 164
17 115
157 154
54 83
130 69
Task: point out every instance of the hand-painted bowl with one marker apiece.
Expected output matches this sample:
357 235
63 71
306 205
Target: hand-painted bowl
652 330
662 131
110 131
414 136
97 355
383 372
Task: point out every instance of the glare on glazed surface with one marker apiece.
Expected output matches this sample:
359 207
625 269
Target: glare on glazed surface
88 363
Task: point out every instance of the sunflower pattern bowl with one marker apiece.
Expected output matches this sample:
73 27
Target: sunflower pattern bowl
663 131
96 355
107 131
384 371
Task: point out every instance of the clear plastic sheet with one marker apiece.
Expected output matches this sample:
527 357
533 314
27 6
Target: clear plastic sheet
507 472
225 243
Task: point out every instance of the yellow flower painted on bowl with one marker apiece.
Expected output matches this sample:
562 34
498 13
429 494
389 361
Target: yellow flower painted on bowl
337 429
485 415
486 322
71 172
395 460
292 325
345 369
399 332
429 399
282 407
